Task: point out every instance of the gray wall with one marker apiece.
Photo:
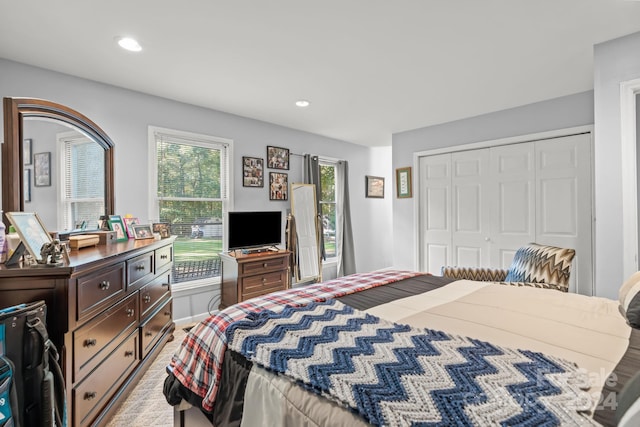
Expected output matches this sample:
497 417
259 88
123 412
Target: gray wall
615 61
125 116
565 112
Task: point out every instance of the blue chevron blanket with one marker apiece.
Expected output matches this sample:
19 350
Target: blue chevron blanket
397 375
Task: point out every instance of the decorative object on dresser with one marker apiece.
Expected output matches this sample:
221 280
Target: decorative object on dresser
83 241
129 222
110 314
142 231
162 228
33 235
116 224
245 276
106 237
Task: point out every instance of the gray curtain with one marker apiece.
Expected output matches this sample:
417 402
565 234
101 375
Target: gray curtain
345 245
347 262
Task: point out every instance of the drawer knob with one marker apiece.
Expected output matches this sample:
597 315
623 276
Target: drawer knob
130 312
139 267
90 342
90 395
265 265
164 256
264 279
128 353
104 285
167 313
146 299
148 334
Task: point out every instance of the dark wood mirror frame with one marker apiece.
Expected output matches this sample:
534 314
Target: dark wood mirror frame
15 111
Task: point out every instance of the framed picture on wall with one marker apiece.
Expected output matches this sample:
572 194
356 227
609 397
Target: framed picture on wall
374 186
27 185
42 169
277 157
403 182
252 172
278 186
27 151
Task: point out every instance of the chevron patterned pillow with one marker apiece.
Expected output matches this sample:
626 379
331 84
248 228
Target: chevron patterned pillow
541 264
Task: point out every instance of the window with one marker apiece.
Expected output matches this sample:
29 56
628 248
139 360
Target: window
83 181
328 207
191 194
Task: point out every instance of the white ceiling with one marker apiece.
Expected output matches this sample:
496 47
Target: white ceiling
370 68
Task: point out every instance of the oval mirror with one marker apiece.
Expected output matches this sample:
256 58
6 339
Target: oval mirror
55 156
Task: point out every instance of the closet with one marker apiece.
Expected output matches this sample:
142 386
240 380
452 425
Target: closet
477 207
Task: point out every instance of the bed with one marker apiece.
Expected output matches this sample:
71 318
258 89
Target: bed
222 374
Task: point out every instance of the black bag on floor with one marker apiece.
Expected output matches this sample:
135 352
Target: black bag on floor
31 383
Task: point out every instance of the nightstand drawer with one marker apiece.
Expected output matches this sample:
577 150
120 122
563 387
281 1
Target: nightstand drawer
261 284
97 290
263 265
98 337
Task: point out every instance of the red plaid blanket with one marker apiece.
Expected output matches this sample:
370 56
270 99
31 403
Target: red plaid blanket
198 362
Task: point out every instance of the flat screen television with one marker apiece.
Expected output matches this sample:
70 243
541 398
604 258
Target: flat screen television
252 229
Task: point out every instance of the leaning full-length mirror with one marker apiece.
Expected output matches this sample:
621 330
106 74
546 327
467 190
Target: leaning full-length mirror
303 209
56 162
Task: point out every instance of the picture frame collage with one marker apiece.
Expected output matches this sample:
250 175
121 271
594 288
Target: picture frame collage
253 172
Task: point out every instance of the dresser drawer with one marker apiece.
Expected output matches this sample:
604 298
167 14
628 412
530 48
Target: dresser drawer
94 392
263 265
98 337
163 256
152 293
261 284
155 326
97 290
139 270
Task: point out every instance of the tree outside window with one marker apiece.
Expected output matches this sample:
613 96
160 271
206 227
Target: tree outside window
191 196
327 201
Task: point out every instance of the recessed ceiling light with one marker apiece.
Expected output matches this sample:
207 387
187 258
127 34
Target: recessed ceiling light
129 44
303 103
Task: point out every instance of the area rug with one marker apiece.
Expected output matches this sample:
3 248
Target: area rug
146 405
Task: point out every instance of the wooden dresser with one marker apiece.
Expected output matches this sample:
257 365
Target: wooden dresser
245 276
109 312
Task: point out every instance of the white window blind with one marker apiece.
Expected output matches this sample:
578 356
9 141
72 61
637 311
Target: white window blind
84 186
191 195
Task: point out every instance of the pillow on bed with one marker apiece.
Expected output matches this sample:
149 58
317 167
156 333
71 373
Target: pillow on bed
629 298
541 263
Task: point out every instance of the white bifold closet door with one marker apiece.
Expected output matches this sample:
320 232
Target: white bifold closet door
477 207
